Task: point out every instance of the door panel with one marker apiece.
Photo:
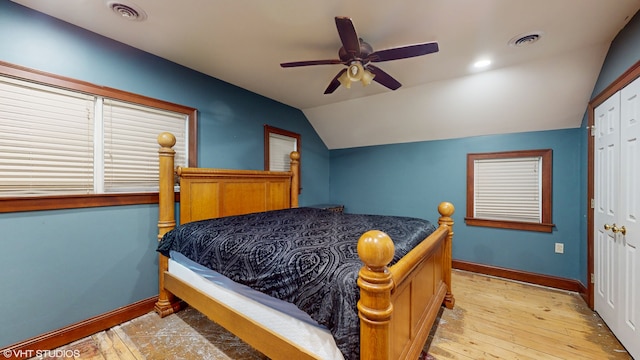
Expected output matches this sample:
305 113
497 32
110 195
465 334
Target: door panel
611 276
629 330
606 170
629 158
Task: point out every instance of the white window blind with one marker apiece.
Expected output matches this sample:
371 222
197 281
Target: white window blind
508 189
55 141
131 146
46 139
280 148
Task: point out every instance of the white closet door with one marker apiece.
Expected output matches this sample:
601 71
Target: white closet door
629 217
607 251
617 215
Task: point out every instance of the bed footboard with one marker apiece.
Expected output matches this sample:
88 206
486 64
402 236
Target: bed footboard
399 304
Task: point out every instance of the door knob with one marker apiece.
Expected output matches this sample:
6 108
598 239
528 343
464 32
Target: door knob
616 229
608 227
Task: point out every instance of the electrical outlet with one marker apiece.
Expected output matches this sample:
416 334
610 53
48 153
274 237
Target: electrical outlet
559 248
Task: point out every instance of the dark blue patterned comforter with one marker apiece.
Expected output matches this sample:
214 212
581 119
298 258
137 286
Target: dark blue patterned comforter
305 256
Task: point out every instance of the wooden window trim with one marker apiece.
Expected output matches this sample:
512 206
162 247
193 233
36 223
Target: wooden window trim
274 130
546 225
59 202
55 202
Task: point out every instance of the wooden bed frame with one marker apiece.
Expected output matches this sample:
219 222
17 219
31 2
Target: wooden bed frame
398 304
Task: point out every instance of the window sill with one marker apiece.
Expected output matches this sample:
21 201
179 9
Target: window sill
58 202
513 225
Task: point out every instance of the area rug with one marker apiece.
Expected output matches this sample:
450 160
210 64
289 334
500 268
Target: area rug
426 356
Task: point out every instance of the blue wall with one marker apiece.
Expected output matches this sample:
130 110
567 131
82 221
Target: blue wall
400 179
60 267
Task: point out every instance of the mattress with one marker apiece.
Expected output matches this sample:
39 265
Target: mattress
277 315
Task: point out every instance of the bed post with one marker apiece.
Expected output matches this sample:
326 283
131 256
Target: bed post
376 250
446 209
294 167
166 218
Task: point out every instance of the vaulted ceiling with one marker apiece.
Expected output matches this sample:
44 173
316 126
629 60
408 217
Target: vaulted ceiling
540 85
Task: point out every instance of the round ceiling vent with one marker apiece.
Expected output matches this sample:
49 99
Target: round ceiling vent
127 11
525 39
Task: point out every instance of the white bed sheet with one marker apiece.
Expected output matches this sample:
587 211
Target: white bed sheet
315 339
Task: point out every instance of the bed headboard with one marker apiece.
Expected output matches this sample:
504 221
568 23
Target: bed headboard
210 193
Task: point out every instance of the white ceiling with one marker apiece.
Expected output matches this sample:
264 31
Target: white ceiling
545 85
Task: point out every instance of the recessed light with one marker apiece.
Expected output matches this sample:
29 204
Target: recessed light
481 63
127 11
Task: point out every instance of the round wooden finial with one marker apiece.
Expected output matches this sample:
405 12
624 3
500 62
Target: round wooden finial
375 248
446 209
166 139
294 155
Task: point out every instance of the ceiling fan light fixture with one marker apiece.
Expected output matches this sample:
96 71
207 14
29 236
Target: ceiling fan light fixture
355 70
367 77
354 73
344 79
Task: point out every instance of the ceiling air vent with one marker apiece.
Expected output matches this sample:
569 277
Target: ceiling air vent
127 11
525 39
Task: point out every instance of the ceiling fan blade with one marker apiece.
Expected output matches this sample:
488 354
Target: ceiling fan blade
403 52
348 36
383 78
311 62
334 84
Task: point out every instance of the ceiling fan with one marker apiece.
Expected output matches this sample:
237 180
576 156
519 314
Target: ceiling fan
358 55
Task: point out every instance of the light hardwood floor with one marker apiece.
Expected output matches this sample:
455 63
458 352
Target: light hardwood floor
493 319
500 319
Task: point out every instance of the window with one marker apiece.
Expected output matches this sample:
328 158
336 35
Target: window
46 140
510 190
67 144
278 145
131 146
